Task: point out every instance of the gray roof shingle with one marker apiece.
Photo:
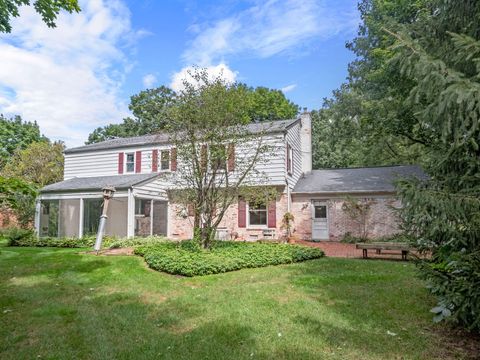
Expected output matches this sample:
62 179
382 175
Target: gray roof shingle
98 182
351 180
162 138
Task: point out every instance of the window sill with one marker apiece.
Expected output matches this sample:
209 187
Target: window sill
259 227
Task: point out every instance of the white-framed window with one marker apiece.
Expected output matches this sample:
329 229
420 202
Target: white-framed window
289 159
165 160
257 214
142 207
130 162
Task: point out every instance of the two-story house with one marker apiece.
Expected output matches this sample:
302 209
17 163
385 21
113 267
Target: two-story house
140 168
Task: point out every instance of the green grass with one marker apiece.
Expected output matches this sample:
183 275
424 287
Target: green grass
59 304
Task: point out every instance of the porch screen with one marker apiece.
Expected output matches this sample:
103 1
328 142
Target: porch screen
59 218
49 213
92 209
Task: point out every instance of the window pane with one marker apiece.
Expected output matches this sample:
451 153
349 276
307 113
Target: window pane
142 217
92 209
142 207
257 206
49 218
218 157
130 162
320 211
165 160
258 217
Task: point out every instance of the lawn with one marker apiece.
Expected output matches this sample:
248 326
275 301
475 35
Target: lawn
59 304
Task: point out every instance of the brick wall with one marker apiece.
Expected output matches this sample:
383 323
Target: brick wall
380 221
181 227
7 219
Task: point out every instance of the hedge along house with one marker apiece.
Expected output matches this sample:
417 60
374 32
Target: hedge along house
143 171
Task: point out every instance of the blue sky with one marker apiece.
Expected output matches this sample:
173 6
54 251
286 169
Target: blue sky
80 75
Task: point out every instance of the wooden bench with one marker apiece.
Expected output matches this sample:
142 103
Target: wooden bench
379 246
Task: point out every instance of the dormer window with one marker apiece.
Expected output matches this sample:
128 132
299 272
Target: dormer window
165 160
130 162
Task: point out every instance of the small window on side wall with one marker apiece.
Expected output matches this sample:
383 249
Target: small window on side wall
289 159
130 162
165 160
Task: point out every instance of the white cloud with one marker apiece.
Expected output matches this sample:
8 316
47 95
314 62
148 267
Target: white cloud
149 80
288 88
67 78
221 70
268 28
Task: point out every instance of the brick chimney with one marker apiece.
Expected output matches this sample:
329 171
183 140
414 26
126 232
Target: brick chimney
306 141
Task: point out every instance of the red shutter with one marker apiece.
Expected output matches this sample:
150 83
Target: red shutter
203 158
190 210
154 160
120 163
173 159
231 157
138 162
272 214
242 213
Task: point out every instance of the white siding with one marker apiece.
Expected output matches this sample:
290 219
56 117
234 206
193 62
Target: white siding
293 139
105 162
153 189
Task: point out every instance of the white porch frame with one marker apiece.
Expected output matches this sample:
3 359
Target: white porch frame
130 194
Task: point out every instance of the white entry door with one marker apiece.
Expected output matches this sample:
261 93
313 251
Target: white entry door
319 220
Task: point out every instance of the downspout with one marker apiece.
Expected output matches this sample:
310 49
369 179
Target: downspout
289 200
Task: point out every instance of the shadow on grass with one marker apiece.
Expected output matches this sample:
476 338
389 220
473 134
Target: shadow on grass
113 308
379 306
123 326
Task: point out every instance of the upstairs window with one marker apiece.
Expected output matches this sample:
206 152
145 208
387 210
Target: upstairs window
257 214
165 160
218 157
130 162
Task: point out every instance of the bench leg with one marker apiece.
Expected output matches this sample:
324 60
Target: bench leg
365 253
379 251
404 255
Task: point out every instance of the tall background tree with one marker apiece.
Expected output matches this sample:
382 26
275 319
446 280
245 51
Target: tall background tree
150 111
16 134
28 161
47 9
41 163
413 96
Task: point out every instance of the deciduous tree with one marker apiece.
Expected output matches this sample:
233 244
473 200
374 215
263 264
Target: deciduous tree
48 10
217 152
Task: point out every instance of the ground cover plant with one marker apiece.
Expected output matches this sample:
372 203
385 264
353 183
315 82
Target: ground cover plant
188 259
27 238
62 304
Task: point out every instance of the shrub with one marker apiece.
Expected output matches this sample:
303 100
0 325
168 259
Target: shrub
15 235
185 258
115 243
33 241
21 237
